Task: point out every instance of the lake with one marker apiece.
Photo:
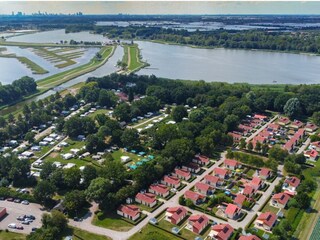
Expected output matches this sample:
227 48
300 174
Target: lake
56 36
229 65
8 74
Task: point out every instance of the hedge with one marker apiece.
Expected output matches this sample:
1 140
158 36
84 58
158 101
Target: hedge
6 192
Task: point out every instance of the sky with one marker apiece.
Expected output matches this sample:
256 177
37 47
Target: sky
161 7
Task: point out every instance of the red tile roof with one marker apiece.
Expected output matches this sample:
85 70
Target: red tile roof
202 158
211 178
264 172
130 210
182 172
248 190
268 218
231 162
259 116
239 199
274 126
220 171
252 237
232 209
146 197
284 120
316 144
171 180
297 123
293 181
193 195
312 153
198 221
177 212
193 165
256 181
311 126
159 188
281 198
203 186
224 231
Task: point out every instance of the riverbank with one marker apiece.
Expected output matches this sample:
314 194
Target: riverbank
28 44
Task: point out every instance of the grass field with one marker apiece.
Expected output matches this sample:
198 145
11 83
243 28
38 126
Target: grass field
112 221
78 234
154 233
269 208
132 58
11 236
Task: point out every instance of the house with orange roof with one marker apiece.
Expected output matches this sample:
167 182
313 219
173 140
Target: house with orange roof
196 198
296 124
201 160
171 181
283 121
197 223
221 173
315 145
221 232
232 164
147 199
310 127
311 154
192 167
131 212
266 220
265 173
213 181
291 184
249 191
257 183
204 188
159 189
251 237
175 214
232 211
280 200
182 174
239 200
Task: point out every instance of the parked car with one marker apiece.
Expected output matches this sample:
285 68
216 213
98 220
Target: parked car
25 202
34 229
17 200
1 198
30 217
12 225
25 222
10 199
21 218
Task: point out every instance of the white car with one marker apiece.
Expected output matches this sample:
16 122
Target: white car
12 225
25 202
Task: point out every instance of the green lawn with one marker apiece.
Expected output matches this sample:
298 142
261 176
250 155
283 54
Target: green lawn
150 232
112 221
119 153
99 111
79 234
269 208
11 236
250 172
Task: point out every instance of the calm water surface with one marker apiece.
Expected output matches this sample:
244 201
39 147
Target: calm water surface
228 65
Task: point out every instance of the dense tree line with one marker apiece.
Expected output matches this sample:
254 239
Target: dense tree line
18 89
298 41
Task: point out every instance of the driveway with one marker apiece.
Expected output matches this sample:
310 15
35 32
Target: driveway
15 210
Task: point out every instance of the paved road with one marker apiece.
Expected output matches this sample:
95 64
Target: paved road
149 120
174 201
14 210
304 146
261 129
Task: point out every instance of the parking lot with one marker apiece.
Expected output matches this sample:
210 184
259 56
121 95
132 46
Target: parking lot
15 210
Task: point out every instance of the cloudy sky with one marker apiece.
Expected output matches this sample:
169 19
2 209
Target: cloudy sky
161 7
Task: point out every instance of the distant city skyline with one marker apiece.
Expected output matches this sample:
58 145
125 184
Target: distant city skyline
156 7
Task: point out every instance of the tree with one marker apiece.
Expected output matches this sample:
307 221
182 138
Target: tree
250 146
122 112
107 98
47 169
189 203
44 192
130 138
182 201
303 200
278 154
3 122
231 122
29 137
180 150
292 107
69 100
178 113
98 189
264 149
74 201
72 177
316 118
258 146
130 95
88 174
242 143
94 143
